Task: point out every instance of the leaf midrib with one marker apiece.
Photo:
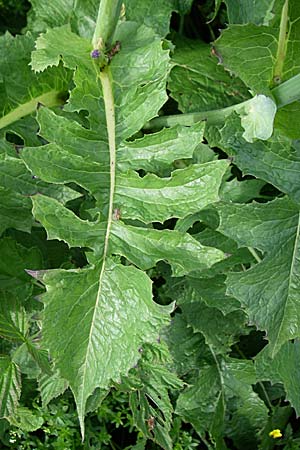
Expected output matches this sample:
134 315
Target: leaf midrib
106 82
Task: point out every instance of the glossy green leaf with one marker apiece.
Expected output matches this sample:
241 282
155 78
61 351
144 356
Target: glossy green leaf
188 349
14 211
110 334
44 15
109 303
269 290
10 387
287 120
145 12
241 192
155 152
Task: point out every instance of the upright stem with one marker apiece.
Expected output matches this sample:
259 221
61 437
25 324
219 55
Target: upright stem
108 16
282 44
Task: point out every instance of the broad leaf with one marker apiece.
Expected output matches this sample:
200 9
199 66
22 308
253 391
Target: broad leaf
44 15
283 368
263 56
26 420
203 318
14 211
257 12
196 69
21 90
110 303
275 161
224 381
269 291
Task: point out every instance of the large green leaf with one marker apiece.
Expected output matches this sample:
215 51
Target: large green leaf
44 15
275 161
263 55
10 387
21 90
203 318
270 289
14 211
223 385
198 83
283 368
104 312
259 12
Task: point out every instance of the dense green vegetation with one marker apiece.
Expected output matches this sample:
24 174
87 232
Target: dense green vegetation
149 224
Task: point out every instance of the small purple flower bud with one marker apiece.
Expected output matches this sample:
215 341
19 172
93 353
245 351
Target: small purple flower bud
95 53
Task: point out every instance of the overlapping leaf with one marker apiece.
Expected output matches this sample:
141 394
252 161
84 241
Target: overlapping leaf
259 12
10 386
270 289
263 55
283 368
223 385
275 161
198 83
107 310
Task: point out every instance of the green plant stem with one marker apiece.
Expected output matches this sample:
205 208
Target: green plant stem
282 44
254 254
284 94
108 16
50 99
287 92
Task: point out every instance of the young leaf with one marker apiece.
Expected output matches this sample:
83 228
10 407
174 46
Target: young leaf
150 404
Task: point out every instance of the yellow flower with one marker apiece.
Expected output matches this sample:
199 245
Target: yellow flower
275 434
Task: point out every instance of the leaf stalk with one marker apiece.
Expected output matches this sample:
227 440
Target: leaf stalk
284 94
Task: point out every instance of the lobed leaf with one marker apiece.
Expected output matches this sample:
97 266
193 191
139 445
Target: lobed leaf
269 291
